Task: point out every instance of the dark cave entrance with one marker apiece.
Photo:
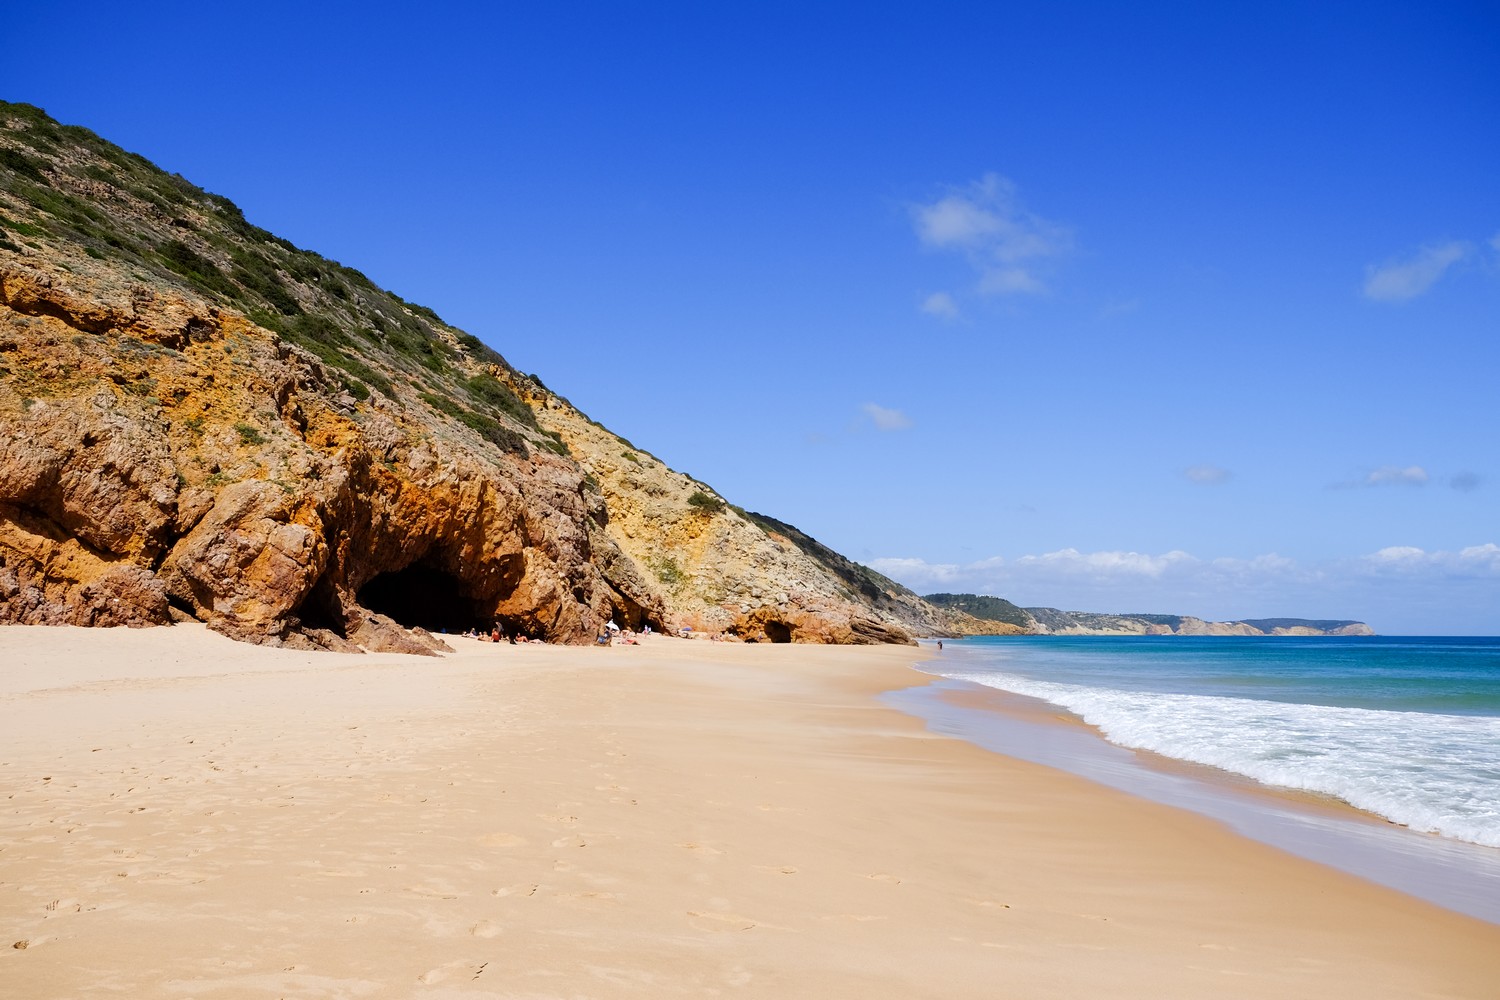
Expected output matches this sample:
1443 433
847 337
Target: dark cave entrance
778 631
422 597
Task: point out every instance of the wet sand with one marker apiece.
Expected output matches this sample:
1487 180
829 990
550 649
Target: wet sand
189 817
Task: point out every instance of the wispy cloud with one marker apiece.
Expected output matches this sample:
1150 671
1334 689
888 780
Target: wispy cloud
886 419
1207 475
1005 244
1392 475
1386 475
1118 307
1400 280
941 305
1466 482
1117 580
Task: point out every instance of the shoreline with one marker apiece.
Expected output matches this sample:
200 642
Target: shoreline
187 815
1454 874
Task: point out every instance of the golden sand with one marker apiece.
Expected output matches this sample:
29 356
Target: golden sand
188 817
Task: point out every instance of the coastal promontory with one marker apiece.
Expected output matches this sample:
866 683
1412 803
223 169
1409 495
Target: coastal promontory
201 421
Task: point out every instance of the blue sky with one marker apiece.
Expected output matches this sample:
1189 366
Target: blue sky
1158 307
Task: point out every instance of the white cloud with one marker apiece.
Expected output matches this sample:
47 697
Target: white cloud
1002 241
1061 564
1097 564
1400 280
1121 581
1207 475
1475 560
1487 554
1391 475
941 305
886 419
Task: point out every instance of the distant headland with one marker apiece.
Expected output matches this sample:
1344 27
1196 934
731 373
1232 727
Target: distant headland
977 614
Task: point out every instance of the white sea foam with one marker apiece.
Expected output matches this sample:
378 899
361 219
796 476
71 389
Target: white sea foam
1435 773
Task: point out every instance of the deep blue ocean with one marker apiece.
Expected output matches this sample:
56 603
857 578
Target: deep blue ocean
1407 728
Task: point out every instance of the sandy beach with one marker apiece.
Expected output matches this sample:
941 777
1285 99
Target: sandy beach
189 817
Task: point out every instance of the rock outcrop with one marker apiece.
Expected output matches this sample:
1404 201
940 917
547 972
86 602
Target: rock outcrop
157 451
199 420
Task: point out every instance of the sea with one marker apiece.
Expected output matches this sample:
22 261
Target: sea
1403 729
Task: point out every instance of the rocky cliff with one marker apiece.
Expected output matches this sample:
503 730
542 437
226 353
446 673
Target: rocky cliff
200 420
981 615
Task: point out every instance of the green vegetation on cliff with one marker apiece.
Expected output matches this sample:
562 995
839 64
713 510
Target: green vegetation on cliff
63 184
983 607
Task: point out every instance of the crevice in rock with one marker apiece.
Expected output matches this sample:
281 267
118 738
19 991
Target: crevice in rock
181 609
778 631
321 610
629 612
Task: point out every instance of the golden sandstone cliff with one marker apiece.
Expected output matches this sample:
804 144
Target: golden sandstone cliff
199 420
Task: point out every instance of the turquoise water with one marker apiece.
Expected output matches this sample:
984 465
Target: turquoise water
1407 728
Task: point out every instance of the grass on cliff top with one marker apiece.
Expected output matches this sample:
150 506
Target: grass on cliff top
984 607
63 183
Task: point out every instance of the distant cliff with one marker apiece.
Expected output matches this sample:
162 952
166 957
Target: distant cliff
980 615
199 420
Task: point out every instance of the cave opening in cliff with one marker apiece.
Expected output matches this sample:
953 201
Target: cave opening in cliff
778 631
422 597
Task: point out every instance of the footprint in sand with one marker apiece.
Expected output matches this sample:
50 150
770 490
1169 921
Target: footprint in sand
719 923
697 848
525 889
432 892
486 929
572 840
883 877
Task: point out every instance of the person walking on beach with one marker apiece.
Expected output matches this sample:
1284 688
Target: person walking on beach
940 645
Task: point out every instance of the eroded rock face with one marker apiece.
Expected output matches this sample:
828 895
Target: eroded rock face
157 452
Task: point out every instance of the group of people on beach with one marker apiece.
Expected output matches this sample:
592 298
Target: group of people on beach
613 635
497 634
